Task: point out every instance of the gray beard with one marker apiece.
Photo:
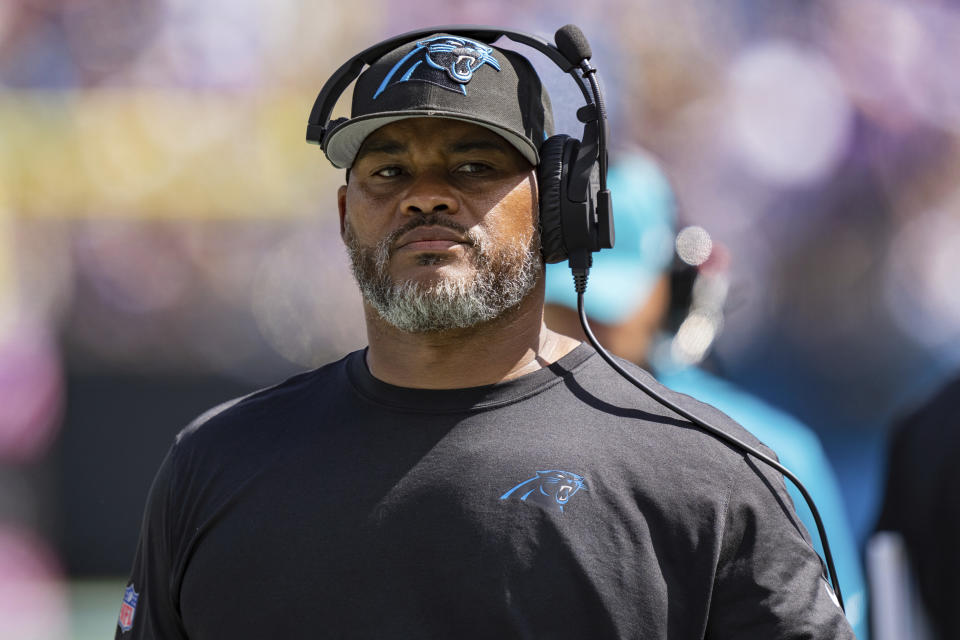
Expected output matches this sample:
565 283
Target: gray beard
500 281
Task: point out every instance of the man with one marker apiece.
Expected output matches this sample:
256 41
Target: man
637 299
470 474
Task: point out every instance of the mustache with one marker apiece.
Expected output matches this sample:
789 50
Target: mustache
429 220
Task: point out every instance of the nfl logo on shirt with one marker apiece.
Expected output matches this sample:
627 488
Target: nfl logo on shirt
128 608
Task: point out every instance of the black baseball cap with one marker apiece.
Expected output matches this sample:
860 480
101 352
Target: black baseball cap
447 76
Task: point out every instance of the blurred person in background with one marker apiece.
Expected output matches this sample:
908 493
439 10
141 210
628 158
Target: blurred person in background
470 473
914 559
652 307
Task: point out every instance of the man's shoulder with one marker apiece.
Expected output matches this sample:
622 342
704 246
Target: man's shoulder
625 393
659 443
265 407
774 427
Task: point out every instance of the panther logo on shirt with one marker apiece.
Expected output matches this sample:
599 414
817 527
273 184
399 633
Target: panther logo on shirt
445 61
551 489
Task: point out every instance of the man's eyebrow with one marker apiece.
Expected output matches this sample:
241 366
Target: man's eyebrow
466 146
387 147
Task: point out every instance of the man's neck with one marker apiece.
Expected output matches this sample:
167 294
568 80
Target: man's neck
510 346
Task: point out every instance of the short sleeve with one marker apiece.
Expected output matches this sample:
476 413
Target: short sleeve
148 609
770 583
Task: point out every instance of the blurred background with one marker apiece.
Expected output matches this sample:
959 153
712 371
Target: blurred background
168 240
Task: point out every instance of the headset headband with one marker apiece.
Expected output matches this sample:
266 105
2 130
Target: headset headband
319 123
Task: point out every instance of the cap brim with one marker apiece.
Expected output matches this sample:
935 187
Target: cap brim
344 141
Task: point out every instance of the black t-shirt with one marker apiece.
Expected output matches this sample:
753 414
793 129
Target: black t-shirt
562 504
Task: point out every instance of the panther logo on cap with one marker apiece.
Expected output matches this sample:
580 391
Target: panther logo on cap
445 61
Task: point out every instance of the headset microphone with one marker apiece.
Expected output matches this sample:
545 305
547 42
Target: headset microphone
573 44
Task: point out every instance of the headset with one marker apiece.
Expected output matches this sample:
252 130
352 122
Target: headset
576 211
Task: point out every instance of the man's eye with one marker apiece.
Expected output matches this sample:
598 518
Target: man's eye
388 172
473 167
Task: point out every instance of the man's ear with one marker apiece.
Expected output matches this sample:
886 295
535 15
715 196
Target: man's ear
342 207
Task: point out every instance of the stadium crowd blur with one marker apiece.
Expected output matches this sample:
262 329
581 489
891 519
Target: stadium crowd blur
168 240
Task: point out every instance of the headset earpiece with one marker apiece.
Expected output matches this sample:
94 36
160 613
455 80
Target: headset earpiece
550 182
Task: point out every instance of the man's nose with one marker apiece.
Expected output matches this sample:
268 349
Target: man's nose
430 193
